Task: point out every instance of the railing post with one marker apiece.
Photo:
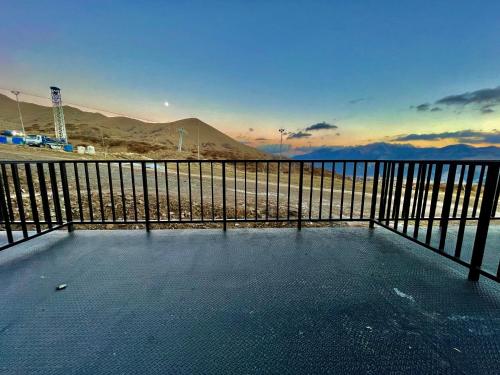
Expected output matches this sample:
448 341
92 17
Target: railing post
373 208
19 198
31 190
67 203
5 212
445 210
301 181
42 184
434 197
55 193
146 195
224 219
383 191
483 221
407 197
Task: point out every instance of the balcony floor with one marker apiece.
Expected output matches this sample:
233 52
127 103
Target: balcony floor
249 301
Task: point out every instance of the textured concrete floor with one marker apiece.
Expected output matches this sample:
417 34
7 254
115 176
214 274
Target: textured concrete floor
341 300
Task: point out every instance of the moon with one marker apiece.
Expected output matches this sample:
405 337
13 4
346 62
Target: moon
166 104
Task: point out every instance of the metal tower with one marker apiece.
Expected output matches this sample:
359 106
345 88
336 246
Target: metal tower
58 114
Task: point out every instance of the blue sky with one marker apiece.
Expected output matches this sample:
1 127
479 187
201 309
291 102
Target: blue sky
237 65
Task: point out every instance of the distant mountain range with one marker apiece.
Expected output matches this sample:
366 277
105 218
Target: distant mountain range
388 151
383 151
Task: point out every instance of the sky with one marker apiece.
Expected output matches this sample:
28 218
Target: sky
353 72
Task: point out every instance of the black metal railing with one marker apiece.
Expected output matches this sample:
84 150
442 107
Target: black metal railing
438 204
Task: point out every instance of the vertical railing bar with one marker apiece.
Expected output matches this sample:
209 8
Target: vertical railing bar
434 197
165 165
31 191
145 194
397 194
459 190
311 189
483 221
43 193
99 189
430 168
288 189
301 182
3 218
471 171
7 193
178 191
332 183
235 194
373 205
4 210
201 191
157 193
256 187
190 193
278 193
67 198
495 202
390 196
78 191
407 198
111 193
55 193
134 193
224 218
355 166
421 182
245 173
414 206
19 198
212 188
321 188
122 190
363 191
478 191
343 189
445 211
385 173
267 190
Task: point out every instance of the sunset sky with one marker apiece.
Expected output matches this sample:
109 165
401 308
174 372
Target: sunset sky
421 72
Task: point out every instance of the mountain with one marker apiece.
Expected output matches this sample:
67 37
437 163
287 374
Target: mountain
382 151
123 134
388 151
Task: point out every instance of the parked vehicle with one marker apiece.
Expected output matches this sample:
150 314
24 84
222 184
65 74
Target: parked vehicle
35 140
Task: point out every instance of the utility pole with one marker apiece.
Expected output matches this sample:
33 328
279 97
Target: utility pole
16 93
281 130
198 142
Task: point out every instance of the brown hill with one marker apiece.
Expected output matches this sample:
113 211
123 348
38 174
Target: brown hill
123 134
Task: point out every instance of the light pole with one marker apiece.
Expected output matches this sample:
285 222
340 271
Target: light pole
16 93
281 130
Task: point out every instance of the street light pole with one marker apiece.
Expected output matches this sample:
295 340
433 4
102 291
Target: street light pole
16 93
281 139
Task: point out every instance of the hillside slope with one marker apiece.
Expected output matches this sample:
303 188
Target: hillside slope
123 134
